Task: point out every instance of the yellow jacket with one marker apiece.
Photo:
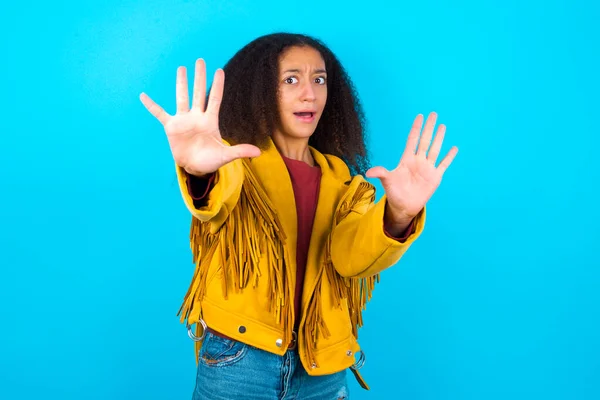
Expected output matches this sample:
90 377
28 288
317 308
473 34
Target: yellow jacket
244 246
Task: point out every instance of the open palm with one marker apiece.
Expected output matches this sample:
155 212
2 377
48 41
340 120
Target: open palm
411 184
193 133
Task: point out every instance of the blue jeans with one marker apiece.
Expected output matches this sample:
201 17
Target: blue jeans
231 370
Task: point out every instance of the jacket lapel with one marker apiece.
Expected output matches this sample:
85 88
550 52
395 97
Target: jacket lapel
329 194
272 172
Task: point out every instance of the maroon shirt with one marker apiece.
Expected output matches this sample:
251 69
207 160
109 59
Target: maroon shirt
306 182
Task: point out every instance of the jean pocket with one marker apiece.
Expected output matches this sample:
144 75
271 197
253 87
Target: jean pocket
219 352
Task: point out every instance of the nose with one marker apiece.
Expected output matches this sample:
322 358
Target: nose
308 92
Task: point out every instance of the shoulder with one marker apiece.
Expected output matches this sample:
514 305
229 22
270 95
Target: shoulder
338 168
340 171
354 189
332 165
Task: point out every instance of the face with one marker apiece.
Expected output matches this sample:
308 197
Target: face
302 91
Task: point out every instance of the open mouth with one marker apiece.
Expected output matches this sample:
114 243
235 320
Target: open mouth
305 116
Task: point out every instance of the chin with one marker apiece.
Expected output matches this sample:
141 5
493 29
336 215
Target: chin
304 134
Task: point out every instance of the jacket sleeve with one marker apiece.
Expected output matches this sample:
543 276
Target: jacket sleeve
360 246
223 195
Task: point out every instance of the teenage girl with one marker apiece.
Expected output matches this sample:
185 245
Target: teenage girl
287 237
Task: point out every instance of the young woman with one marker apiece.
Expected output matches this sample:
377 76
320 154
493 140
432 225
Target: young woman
286 234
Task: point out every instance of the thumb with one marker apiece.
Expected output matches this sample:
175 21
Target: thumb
377 172
242 151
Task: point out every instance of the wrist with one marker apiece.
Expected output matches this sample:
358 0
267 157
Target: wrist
396 221
396 229
397 216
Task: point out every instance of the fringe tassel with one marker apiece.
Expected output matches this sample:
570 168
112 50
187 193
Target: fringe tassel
357 291
251 230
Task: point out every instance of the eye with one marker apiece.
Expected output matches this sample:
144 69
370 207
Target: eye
291 80
321 80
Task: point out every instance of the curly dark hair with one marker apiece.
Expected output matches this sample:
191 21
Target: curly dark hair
249 110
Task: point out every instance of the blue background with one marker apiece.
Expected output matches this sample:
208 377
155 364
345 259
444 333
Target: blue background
498 299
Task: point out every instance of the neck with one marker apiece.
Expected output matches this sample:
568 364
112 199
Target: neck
296 149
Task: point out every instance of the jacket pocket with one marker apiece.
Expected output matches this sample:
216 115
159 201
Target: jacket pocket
219 352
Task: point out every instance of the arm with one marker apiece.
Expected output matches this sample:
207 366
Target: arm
360 246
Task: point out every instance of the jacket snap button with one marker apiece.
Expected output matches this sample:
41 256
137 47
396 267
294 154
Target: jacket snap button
242 329
349 353
279 342
313 366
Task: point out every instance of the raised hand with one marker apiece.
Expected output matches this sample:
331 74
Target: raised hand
193 133
412 183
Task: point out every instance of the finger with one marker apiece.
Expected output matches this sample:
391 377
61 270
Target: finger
199 96
434 151
216 93
181 88
154 108
377 172
447 160
241 151
413 136
427 134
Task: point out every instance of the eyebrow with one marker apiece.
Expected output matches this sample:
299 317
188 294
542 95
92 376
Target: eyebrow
316 71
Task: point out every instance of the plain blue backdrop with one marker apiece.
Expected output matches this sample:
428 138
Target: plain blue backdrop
499 299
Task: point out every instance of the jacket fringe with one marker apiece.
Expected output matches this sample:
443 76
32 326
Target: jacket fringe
355 291
251 230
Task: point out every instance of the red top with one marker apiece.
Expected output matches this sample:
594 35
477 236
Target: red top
306 181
